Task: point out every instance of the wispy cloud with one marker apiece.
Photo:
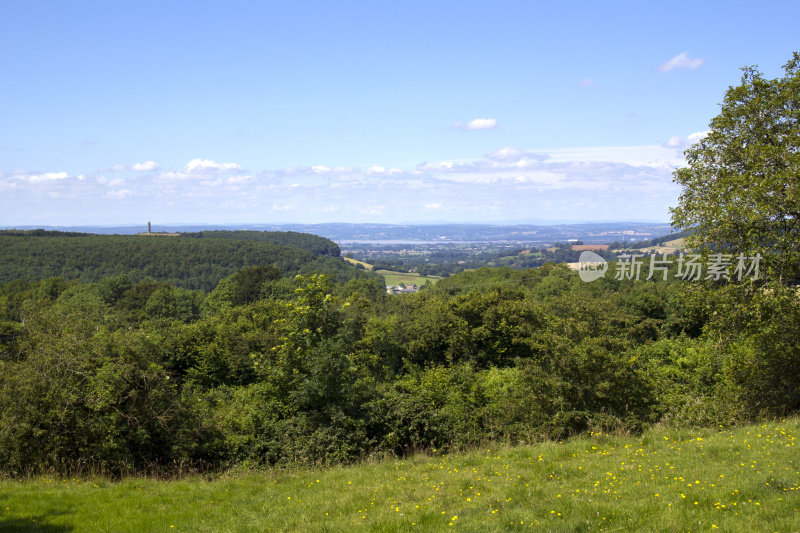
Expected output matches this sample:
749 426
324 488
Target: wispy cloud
145 166
681 143
508 183
118 195
201 169
207 164
43 177
697 136
477 124
515 155
681 60
377 170
588 82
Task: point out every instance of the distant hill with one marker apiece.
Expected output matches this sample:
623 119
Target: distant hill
305 241
670 241
193 261
588 233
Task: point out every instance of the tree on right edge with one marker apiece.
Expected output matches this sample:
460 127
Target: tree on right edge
741 188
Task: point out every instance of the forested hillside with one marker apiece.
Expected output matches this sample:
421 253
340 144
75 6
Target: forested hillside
305 241
190 261
269 370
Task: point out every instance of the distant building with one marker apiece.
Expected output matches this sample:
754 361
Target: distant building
398 289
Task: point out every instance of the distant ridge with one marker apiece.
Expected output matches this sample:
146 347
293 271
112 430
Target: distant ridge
589 232
196 260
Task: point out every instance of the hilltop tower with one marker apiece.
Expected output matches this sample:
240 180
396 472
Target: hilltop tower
148 227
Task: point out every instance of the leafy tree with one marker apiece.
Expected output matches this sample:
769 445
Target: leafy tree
174 303
9 333
112 288
80 393
248 281
741 188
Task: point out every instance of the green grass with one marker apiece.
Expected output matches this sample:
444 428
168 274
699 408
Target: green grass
745 479
390 277
396 278
352 261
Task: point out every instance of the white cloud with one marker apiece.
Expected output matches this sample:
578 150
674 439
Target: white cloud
588 82
118 195
679 143
313 170
44 177
481 124
149 165
439 165
623 182
681 60
207 164
477 124
645 155
508 183
238 179
172 175
372 210
505 154
202 169
697 136
231 204
515 156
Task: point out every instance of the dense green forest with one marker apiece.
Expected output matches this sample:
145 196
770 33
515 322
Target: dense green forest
305 241
191 260
269 370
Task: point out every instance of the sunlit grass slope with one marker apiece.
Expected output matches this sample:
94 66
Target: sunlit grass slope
745 479
392 278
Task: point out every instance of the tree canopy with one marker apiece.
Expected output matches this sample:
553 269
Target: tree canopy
190 261
741 188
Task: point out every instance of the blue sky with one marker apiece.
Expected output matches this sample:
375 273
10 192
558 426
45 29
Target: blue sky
266 112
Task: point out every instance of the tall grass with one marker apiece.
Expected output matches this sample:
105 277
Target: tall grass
742 479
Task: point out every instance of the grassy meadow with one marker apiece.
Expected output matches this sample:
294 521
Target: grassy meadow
352 261
742 479
392 278
396 278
